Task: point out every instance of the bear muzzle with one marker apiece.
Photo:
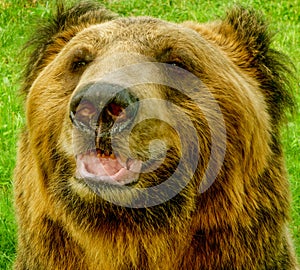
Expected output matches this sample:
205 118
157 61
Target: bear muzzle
104 110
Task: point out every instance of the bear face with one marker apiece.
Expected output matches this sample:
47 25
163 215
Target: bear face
150 145
95 64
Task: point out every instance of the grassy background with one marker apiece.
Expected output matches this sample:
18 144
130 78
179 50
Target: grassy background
16 20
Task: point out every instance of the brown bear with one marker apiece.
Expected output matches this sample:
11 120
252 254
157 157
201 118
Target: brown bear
153 145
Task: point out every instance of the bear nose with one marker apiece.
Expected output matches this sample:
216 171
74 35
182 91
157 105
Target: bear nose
103 108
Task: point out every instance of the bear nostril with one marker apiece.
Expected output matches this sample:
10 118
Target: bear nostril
117 112
85 111
82 114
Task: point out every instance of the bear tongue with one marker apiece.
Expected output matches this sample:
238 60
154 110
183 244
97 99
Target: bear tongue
102 166
106 169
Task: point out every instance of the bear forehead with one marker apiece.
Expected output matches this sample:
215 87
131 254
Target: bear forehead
146 30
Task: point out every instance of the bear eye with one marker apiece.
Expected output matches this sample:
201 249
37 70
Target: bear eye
81 57
177 64
76 65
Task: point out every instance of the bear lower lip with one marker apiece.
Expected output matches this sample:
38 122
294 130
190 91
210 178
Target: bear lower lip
107 169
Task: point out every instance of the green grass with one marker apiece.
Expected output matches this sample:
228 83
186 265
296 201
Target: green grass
16 20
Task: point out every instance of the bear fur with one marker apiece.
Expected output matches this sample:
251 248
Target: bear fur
239 222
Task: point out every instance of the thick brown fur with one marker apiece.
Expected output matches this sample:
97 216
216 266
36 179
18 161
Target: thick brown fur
239 222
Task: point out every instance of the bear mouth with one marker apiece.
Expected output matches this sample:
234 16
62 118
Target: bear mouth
107 168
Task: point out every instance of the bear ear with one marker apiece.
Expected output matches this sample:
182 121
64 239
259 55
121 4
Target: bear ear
243 34
246 30
57 31
244 37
